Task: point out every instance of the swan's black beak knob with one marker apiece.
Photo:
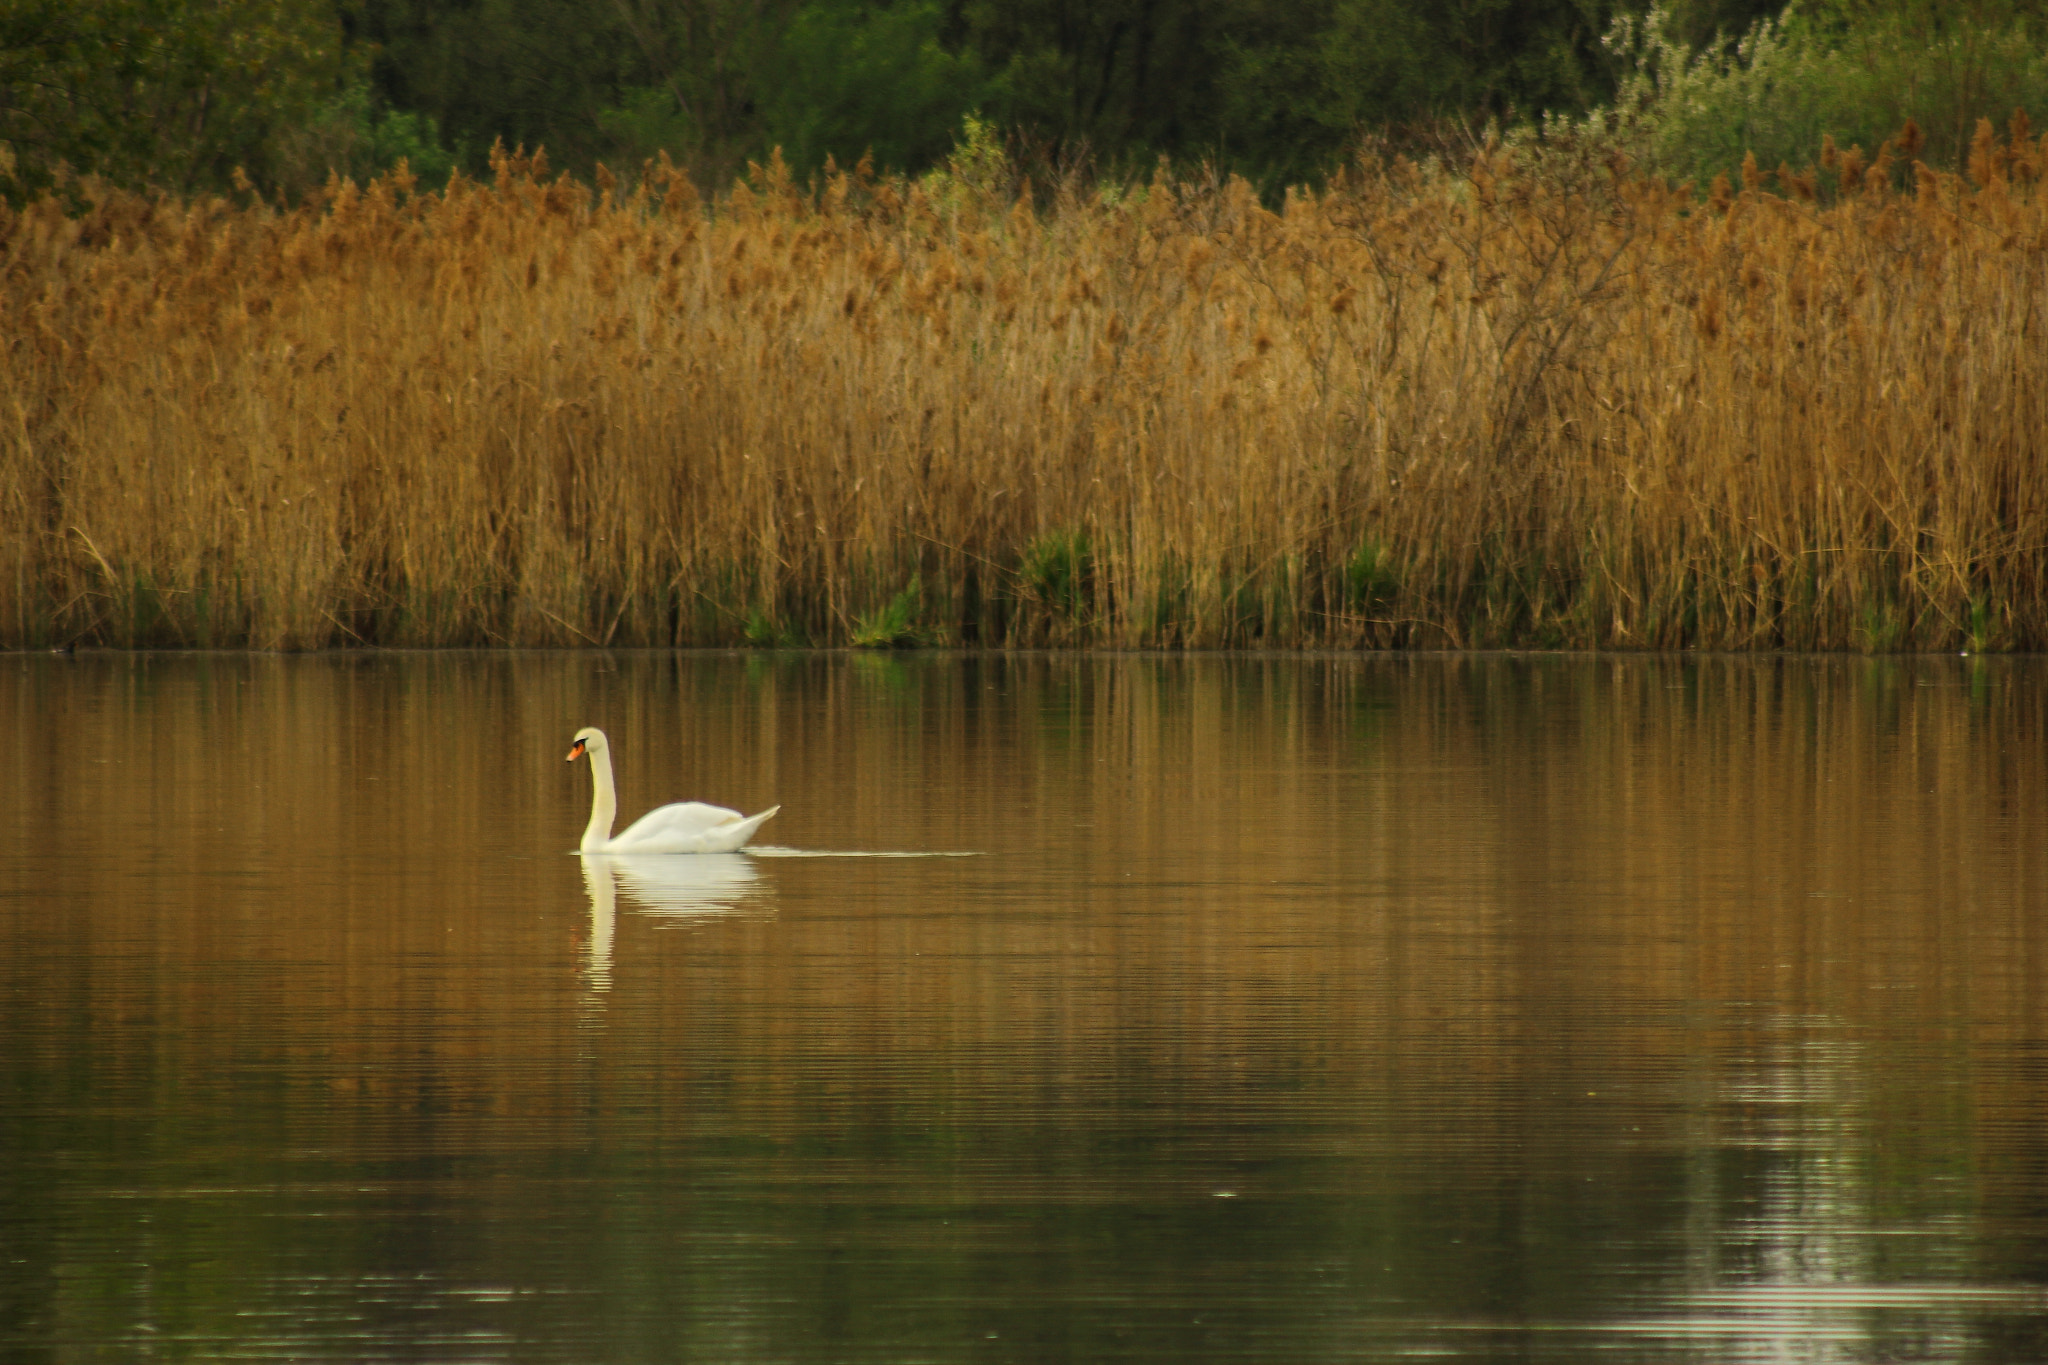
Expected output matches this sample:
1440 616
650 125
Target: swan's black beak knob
575 752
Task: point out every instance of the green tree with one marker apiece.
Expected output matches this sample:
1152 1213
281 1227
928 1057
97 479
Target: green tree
1125 78
729 80
1279 89
715 83
696 88
851 79
533 72
1297 86
171 93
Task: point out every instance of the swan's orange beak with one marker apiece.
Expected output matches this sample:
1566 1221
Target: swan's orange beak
575 752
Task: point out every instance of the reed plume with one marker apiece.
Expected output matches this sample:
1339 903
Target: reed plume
1540 400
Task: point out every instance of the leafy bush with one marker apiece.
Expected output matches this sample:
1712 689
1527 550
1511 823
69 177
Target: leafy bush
1821 71
351 135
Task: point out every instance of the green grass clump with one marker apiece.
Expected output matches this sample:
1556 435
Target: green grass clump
897 624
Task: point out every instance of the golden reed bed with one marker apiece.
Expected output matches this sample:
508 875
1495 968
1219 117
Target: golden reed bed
1539 401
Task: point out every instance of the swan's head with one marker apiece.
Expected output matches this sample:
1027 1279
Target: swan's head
588 740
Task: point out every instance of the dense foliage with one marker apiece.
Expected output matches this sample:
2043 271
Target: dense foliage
178 93
170 92
201 95
1276 87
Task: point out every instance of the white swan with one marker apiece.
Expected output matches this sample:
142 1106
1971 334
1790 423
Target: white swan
685 827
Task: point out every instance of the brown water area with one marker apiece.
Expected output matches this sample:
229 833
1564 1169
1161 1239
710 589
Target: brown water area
1486 1008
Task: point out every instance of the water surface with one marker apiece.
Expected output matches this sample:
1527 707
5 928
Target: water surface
1325 1009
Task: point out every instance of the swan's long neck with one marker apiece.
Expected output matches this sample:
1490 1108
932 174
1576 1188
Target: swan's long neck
604 802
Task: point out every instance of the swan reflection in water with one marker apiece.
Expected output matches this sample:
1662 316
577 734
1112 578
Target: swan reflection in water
676 886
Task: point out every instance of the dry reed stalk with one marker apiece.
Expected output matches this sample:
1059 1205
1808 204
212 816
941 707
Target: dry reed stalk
1541 401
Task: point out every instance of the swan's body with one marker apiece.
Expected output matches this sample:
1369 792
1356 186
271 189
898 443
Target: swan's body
685 827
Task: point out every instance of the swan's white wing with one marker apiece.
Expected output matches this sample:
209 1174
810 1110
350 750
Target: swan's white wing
680 820
688 827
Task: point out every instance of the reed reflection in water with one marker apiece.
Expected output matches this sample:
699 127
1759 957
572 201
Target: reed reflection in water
1336 1008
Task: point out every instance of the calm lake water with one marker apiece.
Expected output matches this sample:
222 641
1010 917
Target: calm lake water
1287 1010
